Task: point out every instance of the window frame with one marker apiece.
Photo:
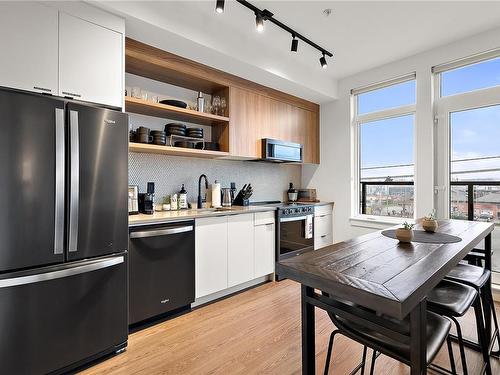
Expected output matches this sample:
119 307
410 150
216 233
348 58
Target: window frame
357 218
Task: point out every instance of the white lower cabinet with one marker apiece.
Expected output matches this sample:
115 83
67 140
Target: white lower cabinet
240 254
211 255
264 249
233 250
323 226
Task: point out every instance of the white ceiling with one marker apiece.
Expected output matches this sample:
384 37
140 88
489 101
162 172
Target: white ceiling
362 35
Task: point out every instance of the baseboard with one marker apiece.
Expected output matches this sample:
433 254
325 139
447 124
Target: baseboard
230 291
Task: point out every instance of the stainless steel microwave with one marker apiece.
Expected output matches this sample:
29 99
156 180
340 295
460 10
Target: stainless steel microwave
279 151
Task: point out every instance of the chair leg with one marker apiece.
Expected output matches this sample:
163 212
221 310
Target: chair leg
489 296
374 358
363 360
452 357
461 345
483 342
329 353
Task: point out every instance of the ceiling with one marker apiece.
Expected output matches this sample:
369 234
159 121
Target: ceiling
361 35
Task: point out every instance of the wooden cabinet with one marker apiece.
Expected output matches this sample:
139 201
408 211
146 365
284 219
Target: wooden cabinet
90 61
28 40
211 244
323 226
255 116
240 255
264 244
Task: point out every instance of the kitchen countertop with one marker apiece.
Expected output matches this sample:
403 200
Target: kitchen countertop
161 217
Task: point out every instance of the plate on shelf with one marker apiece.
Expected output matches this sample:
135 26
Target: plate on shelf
174 103
185 144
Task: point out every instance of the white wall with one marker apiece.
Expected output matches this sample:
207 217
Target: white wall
332 178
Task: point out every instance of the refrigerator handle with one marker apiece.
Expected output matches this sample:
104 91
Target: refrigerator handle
59 184
74 181
65 272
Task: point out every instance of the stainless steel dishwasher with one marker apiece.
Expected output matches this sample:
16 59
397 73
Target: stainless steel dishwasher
161 270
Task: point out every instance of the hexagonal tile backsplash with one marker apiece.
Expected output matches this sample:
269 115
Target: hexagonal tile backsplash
269 181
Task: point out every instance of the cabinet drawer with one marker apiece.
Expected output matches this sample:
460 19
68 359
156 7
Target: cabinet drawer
326 209
322 241
323 225
262 218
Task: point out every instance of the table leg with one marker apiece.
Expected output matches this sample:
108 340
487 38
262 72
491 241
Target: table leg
418 339
308 333
487 306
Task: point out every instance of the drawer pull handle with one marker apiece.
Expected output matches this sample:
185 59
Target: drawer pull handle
72 94
42 89
323 236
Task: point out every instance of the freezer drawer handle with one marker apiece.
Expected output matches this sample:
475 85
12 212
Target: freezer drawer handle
59 185
161 232
31 279
74 182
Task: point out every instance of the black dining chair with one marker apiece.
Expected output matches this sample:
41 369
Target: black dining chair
453 300
385 335
479 278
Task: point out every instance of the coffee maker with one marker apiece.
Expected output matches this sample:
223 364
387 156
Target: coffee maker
146 204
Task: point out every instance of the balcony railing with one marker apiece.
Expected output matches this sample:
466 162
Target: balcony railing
387 198
475 200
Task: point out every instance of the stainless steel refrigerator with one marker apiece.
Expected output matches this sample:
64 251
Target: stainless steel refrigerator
63 232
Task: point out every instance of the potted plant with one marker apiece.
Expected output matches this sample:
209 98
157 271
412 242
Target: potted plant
429 223
405 234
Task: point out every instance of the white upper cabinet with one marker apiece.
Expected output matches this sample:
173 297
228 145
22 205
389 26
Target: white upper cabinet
240 239
28 46
90 61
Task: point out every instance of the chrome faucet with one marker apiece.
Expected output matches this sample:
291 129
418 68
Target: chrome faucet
200 199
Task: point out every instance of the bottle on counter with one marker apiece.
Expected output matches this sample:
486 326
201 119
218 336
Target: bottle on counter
183 198
292 193
174 203
216 194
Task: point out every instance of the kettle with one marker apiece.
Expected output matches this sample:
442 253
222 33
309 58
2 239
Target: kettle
226 197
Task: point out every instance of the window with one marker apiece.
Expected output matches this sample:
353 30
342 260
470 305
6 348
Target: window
471 77
468 113
383 126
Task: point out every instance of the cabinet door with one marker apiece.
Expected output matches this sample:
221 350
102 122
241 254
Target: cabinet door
264 249
28 40
250 122
90 61
240 267
323 231
211 255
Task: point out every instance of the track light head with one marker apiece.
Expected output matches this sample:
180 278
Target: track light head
219 6
259 22
295 44
322 61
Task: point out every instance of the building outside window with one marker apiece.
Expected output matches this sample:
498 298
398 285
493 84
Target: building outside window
383 127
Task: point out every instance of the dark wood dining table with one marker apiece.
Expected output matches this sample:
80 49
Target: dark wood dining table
383 275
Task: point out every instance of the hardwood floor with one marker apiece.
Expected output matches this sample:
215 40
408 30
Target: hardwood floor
255 332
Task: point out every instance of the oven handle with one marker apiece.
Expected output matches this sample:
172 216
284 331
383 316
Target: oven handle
296 218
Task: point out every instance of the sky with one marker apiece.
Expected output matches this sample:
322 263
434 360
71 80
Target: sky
474 133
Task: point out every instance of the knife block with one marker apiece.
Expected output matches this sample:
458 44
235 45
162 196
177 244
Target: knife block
239 201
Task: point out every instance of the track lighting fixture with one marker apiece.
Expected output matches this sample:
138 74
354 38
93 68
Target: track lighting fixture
262 15
295 44
322 61
259 22
219 7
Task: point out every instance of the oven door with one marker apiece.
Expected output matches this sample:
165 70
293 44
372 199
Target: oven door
295 236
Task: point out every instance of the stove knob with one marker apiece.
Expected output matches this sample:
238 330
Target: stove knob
297 210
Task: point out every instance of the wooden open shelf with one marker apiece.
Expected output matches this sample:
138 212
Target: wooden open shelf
148 108
175 151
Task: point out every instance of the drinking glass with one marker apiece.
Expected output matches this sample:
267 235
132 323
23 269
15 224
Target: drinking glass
223 106
216 104
136 92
